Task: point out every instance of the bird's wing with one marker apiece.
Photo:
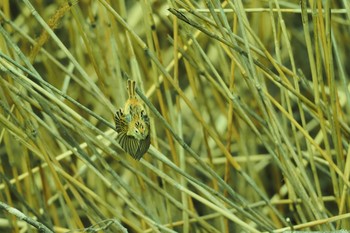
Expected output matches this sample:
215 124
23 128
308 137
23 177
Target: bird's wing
143 147
120 122
129 144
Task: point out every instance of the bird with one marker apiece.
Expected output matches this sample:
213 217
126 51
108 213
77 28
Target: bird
133 125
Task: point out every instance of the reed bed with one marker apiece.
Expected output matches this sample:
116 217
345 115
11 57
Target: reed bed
248 101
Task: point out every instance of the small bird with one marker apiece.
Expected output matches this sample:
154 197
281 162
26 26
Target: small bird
132 125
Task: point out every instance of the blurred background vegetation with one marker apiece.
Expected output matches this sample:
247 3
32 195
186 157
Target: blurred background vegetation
249 106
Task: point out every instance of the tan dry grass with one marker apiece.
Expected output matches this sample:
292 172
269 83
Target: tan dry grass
248 104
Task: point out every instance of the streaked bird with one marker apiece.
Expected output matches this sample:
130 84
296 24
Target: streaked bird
132 124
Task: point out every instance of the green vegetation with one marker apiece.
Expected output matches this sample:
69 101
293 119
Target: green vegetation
249 106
